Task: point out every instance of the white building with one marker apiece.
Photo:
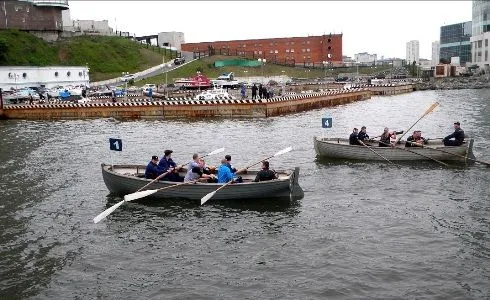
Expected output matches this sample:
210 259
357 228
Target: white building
365 58
480 33
412 52
19 77
85 26
171 39
436 48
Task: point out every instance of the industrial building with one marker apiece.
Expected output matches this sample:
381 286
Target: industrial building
307 51
455 42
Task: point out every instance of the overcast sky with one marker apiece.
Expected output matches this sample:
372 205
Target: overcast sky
376 27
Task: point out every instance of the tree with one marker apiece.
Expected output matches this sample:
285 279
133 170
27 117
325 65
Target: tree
3 51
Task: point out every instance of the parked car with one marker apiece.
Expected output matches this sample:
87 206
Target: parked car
148 86
179 60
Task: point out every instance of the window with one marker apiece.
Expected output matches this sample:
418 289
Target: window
287 50
80 74
303 50
271 51
479 44
56 74
24 75
329 40
260 52
68 73
308 42
308 50
276 51
486 42
292 43
329 48
486 55
292 50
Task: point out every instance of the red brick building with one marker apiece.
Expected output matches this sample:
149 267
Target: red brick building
308 51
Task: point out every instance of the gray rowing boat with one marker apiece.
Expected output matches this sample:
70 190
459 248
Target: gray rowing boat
126 179
340 148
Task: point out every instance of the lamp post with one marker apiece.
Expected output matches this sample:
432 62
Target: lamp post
262 61
325 64
126 86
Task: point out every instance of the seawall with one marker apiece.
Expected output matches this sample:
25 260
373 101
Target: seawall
187 108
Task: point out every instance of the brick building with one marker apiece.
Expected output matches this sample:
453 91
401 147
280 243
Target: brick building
307 51
40 17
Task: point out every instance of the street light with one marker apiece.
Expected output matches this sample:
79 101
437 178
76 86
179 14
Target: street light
126 86
262 61
325 64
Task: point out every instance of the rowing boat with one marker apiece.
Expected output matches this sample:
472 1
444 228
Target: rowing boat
339 148
126 179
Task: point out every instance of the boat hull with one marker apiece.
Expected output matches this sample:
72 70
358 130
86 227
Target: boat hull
124 179
339 148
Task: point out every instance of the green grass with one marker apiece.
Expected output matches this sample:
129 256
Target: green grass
107 57
206 66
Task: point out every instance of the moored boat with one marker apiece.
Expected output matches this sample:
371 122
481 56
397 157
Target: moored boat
126 179
339 148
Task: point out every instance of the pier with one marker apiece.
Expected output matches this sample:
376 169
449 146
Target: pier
187 108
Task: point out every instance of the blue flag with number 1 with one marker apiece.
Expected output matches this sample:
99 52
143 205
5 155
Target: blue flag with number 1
115 144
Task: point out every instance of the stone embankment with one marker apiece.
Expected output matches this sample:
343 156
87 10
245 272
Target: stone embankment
454 83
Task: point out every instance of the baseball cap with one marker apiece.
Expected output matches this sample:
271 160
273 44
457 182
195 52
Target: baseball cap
167 152
456 123
154 157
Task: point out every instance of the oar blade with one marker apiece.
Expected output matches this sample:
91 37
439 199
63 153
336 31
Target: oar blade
216 151
431 108
286 150
107 212
207 197
138 195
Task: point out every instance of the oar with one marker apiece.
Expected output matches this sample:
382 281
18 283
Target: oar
210 195
426 156
362 143
178 167
454 154
131 197
430 109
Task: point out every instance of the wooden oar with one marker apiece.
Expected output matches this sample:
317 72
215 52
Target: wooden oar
430 109
131 197
178 167
426 156
454 154
210 195
362 143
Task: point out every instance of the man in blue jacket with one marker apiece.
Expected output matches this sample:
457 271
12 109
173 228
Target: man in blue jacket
166 164
152 170
458 136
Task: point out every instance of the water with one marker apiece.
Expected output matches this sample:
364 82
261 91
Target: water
363 230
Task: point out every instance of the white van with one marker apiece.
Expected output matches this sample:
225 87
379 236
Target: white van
148 86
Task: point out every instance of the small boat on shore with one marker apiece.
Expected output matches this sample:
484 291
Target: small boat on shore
213 94
339 148
126 179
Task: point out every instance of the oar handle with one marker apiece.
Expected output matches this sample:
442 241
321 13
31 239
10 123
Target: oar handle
175 185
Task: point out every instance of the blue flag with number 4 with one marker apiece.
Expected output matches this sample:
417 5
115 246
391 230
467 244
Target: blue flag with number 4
115 144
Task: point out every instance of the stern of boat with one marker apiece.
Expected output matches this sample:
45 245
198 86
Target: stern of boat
315 145
296 192
470 157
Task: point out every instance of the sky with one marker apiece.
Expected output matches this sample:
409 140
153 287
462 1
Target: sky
376 27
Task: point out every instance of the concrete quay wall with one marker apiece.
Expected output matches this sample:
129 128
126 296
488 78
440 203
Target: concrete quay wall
259 108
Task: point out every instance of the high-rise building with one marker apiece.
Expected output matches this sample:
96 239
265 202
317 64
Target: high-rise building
412 52
435 53
365 58
455 42
480 33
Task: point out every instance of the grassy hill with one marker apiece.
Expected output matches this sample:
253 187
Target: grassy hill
106 56
206 67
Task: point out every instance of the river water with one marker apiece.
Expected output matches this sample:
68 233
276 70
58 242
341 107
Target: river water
362 230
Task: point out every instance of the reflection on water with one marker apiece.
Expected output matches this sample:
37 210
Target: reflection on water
362 230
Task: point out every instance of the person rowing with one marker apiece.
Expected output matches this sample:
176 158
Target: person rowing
416 140
166 164
195 170
386 136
